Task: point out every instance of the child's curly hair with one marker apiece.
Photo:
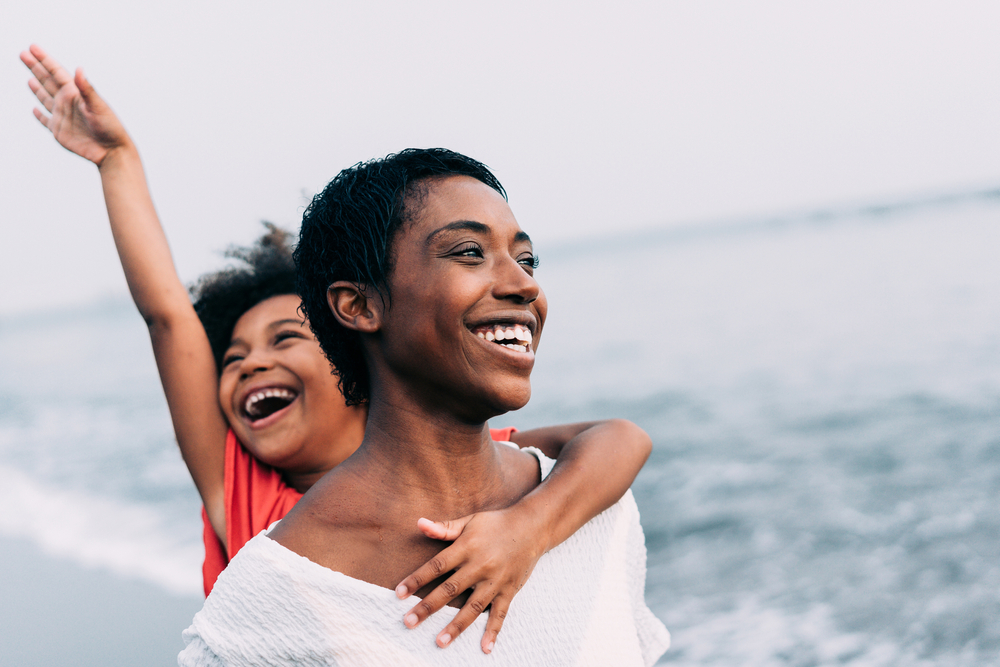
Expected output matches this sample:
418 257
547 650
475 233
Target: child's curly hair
264 269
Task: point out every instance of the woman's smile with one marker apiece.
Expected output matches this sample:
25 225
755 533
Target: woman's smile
509 336
463 280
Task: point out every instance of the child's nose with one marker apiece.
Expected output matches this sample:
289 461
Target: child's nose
254 362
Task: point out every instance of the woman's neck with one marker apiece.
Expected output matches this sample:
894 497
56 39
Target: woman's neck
361 518
410 452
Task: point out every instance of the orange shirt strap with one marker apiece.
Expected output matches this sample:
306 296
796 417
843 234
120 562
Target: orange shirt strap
502 434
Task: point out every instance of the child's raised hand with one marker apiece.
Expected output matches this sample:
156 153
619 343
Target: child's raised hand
80 120
493 553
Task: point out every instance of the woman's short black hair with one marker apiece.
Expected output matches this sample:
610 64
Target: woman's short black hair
264 269
347 233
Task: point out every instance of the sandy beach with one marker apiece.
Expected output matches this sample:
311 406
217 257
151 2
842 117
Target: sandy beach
55 612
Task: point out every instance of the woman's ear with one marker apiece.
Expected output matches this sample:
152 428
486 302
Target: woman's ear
353 306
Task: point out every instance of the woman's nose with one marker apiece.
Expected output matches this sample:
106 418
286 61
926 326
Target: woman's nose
516 283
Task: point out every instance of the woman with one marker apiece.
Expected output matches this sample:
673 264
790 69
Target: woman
418 284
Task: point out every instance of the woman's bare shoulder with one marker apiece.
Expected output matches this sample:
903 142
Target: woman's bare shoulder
333 505
521 465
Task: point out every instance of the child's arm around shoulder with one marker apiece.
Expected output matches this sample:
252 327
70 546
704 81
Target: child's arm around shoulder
496 551
83 123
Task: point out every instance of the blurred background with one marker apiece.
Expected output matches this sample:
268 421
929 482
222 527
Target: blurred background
767 233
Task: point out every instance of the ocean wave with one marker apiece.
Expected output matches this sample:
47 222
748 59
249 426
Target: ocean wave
134 541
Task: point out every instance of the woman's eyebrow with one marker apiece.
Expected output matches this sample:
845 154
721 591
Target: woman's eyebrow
462 225
471 226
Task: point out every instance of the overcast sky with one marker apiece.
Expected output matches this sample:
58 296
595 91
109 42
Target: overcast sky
598 117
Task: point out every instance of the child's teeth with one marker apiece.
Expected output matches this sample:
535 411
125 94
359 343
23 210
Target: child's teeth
501 334
259 396
489 336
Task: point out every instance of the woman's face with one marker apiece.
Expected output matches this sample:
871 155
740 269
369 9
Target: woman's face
277 391
466 312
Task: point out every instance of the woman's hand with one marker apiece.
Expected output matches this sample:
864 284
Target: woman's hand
80 120
493 553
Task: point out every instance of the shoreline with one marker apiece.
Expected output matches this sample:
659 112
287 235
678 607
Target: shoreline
56 612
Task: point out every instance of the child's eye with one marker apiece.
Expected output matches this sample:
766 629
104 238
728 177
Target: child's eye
230 359
285 335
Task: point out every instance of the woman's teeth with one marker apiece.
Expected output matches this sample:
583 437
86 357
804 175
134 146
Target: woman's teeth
519 337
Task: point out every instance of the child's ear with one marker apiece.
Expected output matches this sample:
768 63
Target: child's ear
353 306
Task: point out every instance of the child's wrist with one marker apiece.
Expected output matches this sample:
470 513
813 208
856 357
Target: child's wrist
122 152
536 519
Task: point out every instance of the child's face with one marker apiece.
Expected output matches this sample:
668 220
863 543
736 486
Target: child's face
278 393
463 293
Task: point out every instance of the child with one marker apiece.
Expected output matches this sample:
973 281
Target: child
257 414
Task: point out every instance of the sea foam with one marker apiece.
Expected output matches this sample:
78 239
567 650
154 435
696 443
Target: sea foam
134 541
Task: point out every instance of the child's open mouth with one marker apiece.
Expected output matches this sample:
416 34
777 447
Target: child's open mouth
265 402
512 336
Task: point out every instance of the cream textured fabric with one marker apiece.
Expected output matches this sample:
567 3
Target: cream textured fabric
582 605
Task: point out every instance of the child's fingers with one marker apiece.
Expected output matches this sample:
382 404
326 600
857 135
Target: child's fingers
498 612
470 611
445 561
42 118
38 67
87 91
57 76
447 531
41 76
31 62
43 97
442 594
28 59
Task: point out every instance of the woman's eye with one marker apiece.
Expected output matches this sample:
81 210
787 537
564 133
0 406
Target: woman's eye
285 335
528 262
469 251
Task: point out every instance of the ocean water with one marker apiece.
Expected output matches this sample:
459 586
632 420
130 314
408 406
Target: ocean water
823 392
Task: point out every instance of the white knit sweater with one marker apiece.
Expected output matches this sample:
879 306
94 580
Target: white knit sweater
582 605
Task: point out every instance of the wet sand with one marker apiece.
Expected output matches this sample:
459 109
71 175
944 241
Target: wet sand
55 612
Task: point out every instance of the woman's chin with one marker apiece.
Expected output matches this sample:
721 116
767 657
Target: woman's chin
514 398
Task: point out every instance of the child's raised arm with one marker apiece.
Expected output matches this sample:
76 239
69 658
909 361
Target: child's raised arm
495 552
83 123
